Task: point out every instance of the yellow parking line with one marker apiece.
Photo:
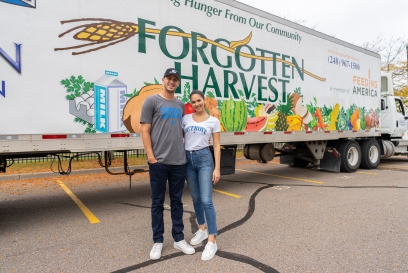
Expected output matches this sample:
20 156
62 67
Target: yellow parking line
288 177
81 205
394 166
227 193
368 173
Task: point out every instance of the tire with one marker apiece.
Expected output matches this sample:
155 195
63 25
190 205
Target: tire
389 148
370 154
246 152
350 153
300 163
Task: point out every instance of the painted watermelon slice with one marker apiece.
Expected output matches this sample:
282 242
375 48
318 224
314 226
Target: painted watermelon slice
256 124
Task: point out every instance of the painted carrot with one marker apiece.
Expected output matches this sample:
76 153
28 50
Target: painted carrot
355 119
320 123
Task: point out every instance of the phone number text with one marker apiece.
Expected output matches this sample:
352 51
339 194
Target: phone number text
341 62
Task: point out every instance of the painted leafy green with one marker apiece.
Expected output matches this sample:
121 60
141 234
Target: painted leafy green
89 127
76 86
186 93
134 93
252 105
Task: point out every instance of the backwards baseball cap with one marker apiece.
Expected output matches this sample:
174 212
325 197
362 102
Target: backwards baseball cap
172 71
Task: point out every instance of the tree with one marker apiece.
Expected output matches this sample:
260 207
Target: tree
299 21
393 60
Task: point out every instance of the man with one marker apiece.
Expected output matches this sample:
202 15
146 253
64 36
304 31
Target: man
160 124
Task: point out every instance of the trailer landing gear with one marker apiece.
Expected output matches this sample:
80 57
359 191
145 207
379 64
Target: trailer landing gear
107 155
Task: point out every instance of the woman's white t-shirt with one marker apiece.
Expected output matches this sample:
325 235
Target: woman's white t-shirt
197 134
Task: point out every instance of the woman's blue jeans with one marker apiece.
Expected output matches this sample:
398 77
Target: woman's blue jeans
200 167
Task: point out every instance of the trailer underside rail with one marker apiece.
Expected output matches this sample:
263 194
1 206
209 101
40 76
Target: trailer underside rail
125 166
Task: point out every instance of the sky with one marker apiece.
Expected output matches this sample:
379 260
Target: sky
353 21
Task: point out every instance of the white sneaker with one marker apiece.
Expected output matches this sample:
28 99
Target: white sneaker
199 236
184 246
209 251
155 253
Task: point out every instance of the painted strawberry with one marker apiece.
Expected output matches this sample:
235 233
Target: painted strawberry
368 121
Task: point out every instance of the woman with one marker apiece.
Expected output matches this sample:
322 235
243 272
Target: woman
201 174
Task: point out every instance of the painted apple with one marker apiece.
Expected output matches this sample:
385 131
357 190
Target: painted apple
188 109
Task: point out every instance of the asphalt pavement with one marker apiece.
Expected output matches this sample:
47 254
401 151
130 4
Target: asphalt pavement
271 218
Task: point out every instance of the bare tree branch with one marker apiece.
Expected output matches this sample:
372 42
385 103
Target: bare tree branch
393 59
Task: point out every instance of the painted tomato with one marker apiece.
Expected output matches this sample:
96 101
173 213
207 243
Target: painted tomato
188 109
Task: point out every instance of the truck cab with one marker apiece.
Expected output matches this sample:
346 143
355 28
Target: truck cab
394 118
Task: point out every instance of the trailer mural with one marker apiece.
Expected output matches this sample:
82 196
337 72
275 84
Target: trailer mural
238 109
241 116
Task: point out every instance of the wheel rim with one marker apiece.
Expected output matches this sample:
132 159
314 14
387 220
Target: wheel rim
373 154
352 156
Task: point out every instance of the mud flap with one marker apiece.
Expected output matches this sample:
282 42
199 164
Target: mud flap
227 161
3 165
286 159
330 163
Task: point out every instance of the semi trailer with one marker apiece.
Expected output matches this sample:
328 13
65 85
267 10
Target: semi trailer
74 75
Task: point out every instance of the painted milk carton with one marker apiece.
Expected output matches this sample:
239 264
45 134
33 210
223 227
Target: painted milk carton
110 100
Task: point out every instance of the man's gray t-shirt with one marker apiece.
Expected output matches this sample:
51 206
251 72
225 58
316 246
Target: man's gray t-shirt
166 131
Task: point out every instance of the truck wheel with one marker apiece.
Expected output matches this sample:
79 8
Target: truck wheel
389 148
350 156
371 154
297 162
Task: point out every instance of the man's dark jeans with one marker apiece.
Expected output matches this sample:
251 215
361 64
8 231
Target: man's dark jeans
159 175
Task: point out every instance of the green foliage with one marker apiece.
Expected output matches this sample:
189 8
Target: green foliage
342 120
89 127
351 110
76 86
241 93
252 105
326 113
286 109
210 95
312 106
297 90
362 111
134 93
186 93
155 82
